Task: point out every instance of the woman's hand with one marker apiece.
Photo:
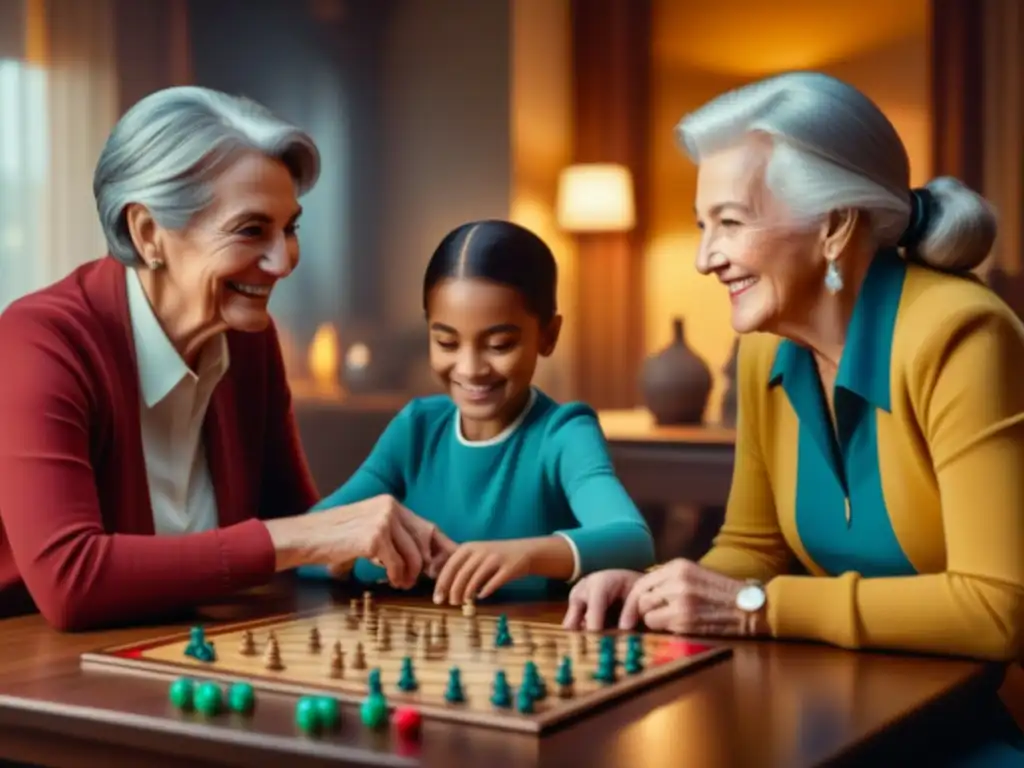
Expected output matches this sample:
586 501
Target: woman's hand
590 599
478 568
378 529
684 598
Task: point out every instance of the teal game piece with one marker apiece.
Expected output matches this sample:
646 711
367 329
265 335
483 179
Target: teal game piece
454 694
634 659
328 712
181 693
374 710
198 647
501 694
373 685
524 701
407 678
564 674
241 698
502 638
605 672
209 699
533 682
307 718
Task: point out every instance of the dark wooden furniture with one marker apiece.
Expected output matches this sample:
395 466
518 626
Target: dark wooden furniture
773 704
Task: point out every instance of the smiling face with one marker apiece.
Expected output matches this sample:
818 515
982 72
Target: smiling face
772 270
219 271
484 345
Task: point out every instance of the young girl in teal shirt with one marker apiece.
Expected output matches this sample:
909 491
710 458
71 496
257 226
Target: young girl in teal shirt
523 484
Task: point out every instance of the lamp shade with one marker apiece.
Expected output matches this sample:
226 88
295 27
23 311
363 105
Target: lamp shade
596 197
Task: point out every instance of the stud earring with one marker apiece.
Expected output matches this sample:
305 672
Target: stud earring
156 264
833 280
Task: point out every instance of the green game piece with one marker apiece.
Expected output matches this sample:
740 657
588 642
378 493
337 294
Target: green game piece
373 685
181 693
328 712
307 715
532 682
198 648
524 701
454 694
564 674
241 698
605 672
374 710
407 678
209 699
633 664
501 695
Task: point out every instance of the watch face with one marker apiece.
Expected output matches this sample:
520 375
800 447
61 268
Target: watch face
751 598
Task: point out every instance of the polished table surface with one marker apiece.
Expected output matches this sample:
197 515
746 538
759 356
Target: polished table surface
771 704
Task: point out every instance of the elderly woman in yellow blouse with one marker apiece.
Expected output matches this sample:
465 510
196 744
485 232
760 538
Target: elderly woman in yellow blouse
878 493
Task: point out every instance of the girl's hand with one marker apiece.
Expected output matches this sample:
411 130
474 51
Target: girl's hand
593 595
478 568
686 599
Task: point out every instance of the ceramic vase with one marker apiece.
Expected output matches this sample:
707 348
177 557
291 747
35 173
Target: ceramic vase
676 382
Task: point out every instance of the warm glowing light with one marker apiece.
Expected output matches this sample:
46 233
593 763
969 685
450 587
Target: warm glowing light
358 357
596 197
323 357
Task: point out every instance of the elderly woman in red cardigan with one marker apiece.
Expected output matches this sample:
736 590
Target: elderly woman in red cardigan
148 457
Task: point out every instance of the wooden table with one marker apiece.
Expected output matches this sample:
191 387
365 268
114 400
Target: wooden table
772 704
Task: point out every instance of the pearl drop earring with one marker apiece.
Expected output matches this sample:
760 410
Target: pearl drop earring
833 280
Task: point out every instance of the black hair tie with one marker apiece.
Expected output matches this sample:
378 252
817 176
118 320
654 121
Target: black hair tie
922 211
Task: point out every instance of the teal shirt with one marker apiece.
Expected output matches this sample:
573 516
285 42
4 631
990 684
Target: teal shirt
547 473
838 465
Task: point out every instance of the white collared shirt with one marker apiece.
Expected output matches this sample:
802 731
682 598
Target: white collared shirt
172 409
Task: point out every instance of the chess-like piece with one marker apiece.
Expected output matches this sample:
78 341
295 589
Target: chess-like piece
352 616
579 644
473 633
336 666
314 640
526 638
367 604
272 656
359 658
469 608
384 635
442 628
409 628
423 642
248 646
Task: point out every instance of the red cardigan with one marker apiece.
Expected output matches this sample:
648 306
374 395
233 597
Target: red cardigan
76 526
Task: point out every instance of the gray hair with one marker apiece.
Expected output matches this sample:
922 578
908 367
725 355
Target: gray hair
833 148
166 151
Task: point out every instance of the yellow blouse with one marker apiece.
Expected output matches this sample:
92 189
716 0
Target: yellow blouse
903 526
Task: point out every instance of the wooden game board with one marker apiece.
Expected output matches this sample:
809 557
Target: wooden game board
306 672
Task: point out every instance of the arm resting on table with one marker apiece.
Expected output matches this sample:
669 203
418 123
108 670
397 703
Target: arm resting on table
750 544
972 405
612 533
80 576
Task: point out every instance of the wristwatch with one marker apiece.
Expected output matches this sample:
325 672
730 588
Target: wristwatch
751 597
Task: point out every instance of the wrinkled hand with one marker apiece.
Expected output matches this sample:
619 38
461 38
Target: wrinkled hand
590 599
686 599
382 530
477 568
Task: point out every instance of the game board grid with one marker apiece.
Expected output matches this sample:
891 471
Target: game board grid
164 658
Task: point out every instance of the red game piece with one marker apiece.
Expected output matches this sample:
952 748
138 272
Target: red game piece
678 649
407 720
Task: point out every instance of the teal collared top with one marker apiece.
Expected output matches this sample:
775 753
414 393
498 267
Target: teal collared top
837 467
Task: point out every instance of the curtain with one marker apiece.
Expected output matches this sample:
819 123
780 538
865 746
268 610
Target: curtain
58 102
